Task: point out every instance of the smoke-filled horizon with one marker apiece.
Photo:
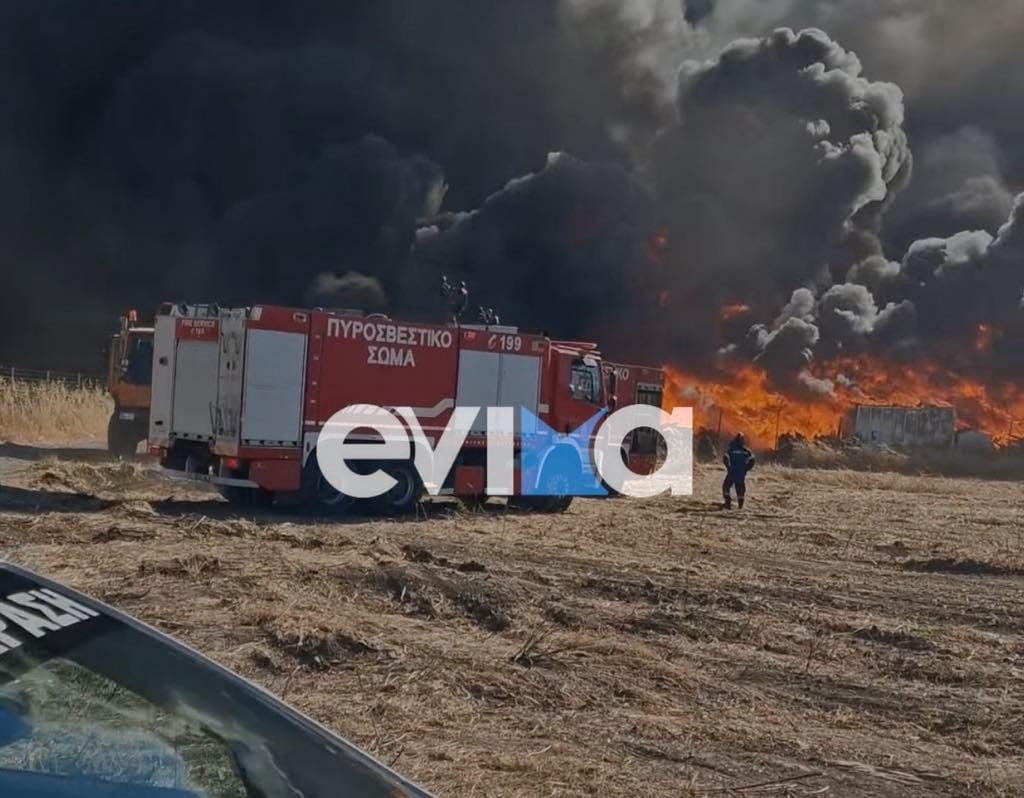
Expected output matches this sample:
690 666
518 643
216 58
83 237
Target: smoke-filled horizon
777 181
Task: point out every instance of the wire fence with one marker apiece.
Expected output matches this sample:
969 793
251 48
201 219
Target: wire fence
69 379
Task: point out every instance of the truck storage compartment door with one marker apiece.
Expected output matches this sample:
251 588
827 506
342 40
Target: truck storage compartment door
519 385
195 388
163 381
479 373
275 375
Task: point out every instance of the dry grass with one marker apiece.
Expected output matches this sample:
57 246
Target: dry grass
860 633
50 412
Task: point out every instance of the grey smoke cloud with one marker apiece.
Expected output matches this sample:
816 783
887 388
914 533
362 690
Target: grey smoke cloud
154 152
958 63
782 147
640 44
784 125
788 350
349 290
566 245
847 312
958 185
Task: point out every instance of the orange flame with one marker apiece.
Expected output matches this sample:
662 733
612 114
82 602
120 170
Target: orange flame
743 399
731 312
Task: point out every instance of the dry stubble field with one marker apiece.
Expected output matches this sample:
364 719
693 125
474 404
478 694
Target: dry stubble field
848 634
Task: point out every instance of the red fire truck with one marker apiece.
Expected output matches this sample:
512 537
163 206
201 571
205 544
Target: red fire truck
240 395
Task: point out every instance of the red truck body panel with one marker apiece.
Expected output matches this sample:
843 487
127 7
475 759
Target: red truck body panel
629 384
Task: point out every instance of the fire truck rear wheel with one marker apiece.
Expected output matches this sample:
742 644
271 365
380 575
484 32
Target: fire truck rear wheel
557 504
555 483
320 495
541 504
248 497
406 493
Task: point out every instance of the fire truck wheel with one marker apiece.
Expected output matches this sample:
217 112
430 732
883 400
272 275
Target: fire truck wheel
406 493
558 504
556 484
122 438
553 505
320 495
247 497
541 504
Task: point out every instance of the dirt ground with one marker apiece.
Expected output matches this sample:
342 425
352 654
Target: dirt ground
847 634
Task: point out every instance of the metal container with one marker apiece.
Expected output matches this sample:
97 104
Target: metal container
903 426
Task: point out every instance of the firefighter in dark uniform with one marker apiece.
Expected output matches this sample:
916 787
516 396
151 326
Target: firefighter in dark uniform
739 461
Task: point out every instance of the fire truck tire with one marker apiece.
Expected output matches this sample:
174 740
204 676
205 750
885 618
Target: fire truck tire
248 497
551 505
122 436
558 504
318 493
405 495
552 480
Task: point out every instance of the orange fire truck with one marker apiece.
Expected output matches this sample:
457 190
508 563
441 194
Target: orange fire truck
240 396
129 368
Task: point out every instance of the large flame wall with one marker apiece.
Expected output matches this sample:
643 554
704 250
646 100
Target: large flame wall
743 399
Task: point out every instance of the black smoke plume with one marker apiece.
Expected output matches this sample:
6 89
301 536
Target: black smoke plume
615 170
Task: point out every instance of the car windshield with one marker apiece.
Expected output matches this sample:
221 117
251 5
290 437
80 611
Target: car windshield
92 704
60 719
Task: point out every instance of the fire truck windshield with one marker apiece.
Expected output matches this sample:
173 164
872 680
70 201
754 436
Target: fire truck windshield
585 382
138 369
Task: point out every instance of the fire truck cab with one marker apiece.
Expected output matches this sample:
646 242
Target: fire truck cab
630 384
240 397
129 368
